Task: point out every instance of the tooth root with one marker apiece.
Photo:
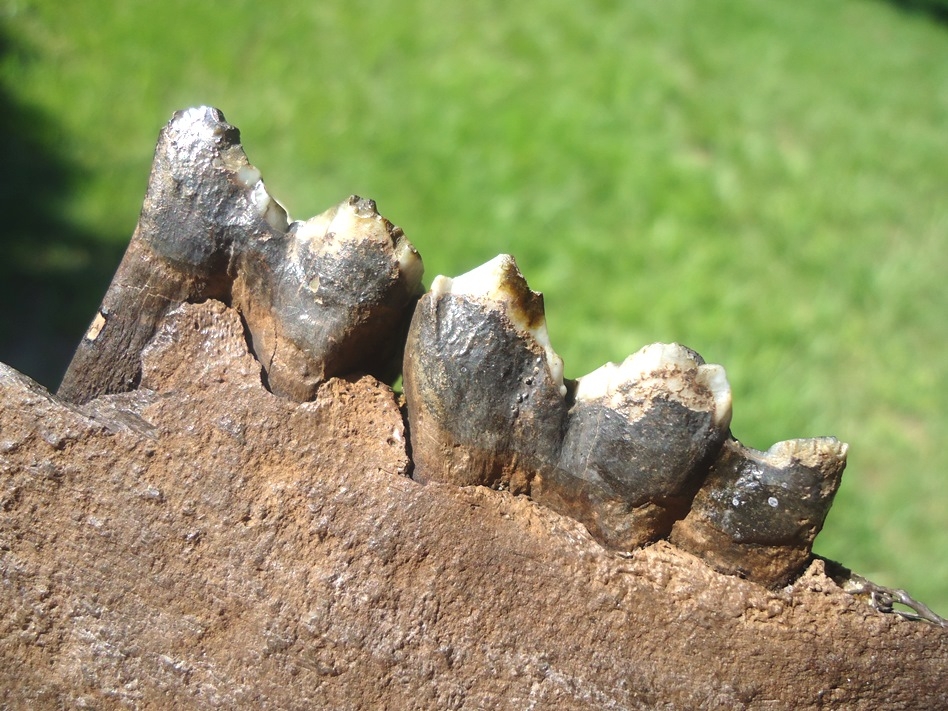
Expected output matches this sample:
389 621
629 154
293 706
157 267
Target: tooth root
332 296
758 512
639 440
484 387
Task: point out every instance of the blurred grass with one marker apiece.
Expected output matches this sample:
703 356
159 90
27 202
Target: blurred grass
764 182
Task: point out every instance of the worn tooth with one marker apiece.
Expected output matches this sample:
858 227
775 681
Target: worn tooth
332 296
204 200
325 297
758 512
639 440
484 387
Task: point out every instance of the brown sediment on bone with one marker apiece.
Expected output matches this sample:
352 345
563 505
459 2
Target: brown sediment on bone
757 513
316 305
199 543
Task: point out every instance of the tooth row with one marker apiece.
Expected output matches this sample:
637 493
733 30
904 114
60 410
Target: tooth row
636 452
325 297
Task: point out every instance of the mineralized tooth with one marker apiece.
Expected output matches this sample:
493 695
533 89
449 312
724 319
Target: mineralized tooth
332 296
200 200
639 440
326 297
757 513
484 387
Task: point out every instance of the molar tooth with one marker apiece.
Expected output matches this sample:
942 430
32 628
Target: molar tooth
639 439
758 512
484 387
332 297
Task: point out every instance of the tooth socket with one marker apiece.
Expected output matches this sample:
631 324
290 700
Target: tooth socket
483 407
628 480
757 513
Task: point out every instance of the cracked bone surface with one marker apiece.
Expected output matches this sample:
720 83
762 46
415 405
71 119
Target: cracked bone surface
639 439
757 513
484 387
325 297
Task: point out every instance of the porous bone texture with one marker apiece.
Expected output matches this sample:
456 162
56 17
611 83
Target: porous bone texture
201 543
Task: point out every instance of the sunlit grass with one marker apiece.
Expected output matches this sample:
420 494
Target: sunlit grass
763 182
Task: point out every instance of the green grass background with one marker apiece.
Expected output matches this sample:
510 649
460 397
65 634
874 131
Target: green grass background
764 182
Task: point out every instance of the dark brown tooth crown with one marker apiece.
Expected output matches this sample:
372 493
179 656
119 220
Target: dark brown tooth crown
484 402
638 442
326 297
636 452
758 513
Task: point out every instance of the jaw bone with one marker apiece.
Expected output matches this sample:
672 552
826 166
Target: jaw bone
758 512
210 230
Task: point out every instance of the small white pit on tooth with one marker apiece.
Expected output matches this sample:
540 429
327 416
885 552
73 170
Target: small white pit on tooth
499 282
352 222
330 230
98 323
714 378
248 175
409 261
197 121
663 367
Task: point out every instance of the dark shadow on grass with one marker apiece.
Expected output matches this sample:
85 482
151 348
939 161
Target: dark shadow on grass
935 9
52 274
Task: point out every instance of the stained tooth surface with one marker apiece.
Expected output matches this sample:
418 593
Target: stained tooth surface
640 437
329 296
203 197
332 296
484 387
757 513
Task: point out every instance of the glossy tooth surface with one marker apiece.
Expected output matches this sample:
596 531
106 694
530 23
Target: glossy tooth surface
640 437
758 512
332 296
204 200
484 387
326 297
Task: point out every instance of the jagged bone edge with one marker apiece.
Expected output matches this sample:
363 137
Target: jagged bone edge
211 243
